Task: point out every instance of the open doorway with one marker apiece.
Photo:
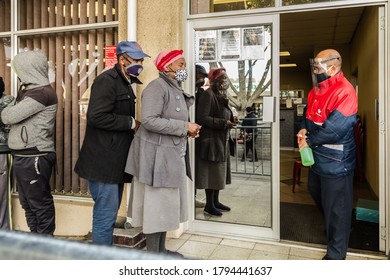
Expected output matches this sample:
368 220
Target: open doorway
302 36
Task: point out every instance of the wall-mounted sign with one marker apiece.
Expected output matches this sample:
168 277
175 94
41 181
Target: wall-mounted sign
229 44
110 56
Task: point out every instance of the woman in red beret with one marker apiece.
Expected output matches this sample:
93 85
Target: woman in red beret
157 156
212 165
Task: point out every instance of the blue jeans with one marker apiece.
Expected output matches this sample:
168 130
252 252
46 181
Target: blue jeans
107 198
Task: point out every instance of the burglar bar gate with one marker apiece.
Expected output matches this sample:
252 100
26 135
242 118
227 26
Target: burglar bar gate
243 157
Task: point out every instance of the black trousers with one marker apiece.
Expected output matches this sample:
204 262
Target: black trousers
4 201
334 197
249 145
32 176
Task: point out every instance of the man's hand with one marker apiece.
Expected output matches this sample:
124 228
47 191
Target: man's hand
301 138
302 132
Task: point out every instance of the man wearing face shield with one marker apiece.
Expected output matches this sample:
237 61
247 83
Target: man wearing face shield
327 128
110 130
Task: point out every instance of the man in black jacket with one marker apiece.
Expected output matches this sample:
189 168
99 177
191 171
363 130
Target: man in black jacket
110 129
250 134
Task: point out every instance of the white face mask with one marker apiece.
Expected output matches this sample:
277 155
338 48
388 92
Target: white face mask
181 75
225 85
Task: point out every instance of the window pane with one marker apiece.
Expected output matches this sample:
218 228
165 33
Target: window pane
5 59
5 15
211 6
75 59
297 2
50 13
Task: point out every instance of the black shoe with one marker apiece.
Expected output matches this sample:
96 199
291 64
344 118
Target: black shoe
213 211
327 257
222 207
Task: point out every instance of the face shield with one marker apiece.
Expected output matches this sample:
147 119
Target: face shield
319 71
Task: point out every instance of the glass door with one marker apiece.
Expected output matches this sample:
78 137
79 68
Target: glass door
248 48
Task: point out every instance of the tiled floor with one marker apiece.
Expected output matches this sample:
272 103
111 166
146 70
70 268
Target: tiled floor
209 247
216 248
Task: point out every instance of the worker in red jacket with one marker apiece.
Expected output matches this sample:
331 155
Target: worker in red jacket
327 127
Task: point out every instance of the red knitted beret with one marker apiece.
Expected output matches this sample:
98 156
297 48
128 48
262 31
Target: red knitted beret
215 73
167 57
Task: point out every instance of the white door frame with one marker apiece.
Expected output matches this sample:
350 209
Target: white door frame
226 229
384 159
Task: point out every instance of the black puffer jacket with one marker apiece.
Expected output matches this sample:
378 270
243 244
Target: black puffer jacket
108 135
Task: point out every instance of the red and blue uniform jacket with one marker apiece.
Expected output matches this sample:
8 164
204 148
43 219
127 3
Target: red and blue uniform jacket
329 119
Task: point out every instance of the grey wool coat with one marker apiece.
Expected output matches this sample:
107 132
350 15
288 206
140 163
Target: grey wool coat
156 155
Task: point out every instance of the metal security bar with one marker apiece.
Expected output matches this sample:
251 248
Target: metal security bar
252 149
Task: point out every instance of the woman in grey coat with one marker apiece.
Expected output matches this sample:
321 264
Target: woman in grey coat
157 155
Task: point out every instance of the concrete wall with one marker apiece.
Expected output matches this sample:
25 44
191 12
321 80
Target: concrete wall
364 61
159 27
73 216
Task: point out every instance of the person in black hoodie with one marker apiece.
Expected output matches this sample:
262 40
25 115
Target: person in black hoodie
250 134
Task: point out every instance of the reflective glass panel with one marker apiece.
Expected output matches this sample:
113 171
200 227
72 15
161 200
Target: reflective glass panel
212 6
245 53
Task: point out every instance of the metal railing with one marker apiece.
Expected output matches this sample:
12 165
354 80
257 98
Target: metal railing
260 149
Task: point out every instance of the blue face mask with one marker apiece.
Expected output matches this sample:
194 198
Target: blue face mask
134 69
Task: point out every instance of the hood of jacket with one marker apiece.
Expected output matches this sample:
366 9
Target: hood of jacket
32 69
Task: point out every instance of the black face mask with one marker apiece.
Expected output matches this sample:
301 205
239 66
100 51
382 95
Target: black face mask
199 83
321 77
